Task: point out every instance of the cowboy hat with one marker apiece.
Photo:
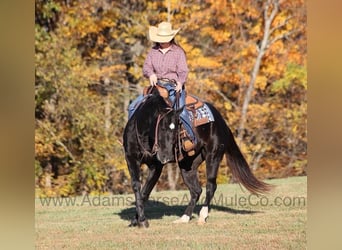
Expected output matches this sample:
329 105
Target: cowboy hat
163 33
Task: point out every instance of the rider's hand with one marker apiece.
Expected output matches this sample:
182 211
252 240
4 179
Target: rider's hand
179 87
153 80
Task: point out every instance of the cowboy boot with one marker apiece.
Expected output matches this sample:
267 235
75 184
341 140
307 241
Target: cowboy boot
188 147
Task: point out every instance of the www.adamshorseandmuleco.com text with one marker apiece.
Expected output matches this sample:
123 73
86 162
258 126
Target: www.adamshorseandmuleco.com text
248 201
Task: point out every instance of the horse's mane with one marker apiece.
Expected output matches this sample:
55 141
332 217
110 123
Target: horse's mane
153 103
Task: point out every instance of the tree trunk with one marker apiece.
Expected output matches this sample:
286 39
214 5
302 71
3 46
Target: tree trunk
107 110
126 100
261 52
172 175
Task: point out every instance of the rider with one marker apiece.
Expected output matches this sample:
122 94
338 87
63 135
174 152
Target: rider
166 65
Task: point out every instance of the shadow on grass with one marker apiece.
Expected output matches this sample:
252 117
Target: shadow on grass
157 209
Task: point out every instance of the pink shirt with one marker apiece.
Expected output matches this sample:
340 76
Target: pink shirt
171 65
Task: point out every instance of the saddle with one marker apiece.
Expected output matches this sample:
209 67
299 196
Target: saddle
197 111
192 104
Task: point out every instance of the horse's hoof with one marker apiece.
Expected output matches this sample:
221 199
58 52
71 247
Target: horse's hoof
143 224
203 215
134 223
184 219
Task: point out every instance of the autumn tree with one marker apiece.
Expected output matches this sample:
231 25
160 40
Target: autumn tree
249 62
254 45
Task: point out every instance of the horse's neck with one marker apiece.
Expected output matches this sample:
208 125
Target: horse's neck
150 111
148 118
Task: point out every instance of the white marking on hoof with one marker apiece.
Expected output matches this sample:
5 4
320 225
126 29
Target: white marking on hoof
183 219
203 215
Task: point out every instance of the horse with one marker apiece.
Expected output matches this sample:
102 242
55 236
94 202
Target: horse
151 137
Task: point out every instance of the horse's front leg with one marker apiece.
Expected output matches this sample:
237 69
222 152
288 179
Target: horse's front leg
140 219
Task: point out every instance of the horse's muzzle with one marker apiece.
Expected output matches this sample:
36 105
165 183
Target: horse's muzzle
164 159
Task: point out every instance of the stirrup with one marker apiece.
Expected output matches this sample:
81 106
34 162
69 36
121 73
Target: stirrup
187 145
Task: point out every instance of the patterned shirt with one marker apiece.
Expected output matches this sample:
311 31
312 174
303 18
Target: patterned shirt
171 65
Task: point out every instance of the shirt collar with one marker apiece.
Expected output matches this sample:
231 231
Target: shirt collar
169 48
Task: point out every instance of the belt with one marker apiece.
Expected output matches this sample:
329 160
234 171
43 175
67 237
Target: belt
166 81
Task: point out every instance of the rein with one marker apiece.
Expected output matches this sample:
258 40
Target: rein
155 147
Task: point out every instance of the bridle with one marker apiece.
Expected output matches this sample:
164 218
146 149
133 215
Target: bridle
155 147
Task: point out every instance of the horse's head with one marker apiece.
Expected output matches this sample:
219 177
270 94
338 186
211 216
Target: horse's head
167 135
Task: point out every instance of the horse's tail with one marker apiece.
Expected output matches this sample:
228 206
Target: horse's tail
235 160
240 168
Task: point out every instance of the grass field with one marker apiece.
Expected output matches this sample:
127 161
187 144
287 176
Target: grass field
237 220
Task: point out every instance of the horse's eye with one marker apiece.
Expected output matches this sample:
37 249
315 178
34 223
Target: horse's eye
172 126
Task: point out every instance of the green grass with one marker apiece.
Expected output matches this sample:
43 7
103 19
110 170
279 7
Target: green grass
101 222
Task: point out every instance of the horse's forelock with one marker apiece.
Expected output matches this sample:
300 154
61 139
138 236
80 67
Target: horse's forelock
157 102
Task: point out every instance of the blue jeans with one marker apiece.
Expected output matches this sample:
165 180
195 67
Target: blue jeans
172 95
184 115
132 107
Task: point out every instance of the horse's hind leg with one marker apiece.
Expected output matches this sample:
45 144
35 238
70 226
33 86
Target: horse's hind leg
152 178
190 178
213 160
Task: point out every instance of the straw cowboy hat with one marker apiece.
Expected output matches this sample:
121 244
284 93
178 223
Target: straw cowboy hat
163 33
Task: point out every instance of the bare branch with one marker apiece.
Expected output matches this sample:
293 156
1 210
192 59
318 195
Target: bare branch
274 11
267 26
281 25
266 9
226 98
261 51
286 35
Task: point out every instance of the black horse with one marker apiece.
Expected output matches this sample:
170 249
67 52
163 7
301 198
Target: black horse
151 136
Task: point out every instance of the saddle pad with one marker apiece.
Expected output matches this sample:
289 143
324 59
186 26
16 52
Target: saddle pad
201 116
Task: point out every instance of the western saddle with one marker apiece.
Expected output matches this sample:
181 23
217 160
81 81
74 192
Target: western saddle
192 103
